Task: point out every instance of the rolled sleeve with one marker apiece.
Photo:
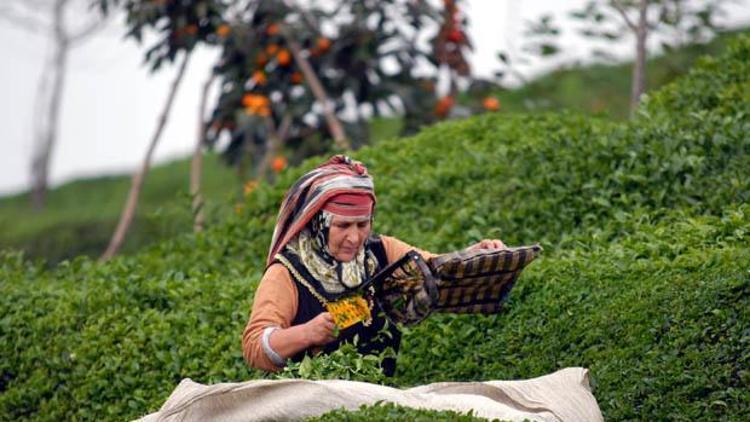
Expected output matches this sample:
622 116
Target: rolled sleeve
274 305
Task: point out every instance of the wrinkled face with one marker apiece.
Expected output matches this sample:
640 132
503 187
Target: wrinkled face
346 237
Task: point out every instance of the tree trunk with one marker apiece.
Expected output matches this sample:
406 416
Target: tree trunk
274 143
196 166
453 79
638 83
242 165
137 182
47 136
339 137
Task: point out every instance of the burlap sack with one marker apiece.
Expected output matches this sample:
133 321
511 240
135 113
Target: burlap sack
561 396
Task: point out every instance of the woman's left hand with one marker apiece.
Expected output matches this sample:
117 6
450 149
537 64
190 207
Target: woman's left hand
487 244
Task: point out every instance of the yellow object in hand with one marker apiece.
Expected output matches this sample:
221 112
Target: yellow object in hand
349 311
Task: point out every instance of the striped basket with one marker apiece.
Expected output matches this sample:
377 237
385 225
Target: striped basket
478 282
475 281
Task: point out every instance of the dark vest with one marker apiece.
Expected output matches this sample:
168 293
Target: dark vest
370 338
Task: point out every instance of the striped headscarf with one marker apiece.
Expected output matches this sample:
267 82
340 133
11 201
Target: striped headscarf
340 174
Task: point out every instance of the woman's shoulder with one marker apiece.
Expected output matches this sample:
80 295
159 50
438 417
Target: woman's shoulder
276 267
385 239
277 271
387 242
277 280
392 241
395 248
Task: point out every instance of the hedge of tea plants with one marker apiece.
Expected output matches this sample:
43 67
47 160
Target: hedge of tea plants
393 412
645 277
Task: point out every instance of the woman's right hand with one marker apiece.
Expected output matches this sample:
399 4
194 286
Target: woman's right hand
320 330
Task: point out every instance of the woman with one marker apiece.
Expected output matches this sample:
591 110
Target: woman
321 252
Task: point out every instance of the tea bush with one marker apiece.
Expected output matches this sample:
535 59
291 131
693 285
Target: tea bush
390 411
645 277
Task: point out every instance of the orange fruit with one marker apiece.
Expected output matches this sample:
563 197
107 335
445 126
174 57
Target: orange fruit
284 58
264 111
273 29
323 44
256 104
491 104
279 163
223 30
444 105
261 59
271 49
455 36
297 78
191 29
247 99
259 77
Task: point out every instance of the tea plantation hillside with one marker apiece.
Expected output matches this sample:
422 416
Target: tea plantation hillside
65 229
645 278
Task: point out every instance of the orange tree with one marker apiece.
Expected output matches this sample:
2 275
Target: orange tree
363 53
363 56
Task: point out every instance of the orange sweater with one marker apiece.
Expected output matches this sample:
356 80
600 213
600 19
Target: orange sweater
275 304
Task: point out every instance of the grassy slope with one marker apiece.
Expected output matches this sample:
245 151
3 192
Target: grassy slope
67 229
644 278
80 216
603 89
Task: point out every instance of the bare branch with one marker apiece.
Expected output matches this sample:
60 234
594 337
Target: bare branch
196 164
621 10
638 84
34 5
86 32
286 124
337 131
273 145
23 21
128 211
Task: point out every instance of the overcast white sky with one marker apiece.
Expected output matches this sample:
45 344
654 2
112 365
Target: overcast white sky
111 102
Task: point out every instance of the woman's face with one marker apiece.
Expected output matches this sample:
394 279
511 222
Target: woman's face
346 237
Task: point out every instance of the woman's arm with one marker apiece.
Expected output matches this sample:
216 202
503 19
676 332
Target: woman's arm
274 305
396 248
290 341
269 339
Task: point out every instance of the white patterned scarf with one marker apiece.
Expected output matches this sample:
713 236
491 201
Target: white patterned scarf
334 276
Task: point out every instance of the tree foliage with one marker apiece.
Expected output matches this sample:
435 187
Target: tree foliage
178 25
370 57
364 54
